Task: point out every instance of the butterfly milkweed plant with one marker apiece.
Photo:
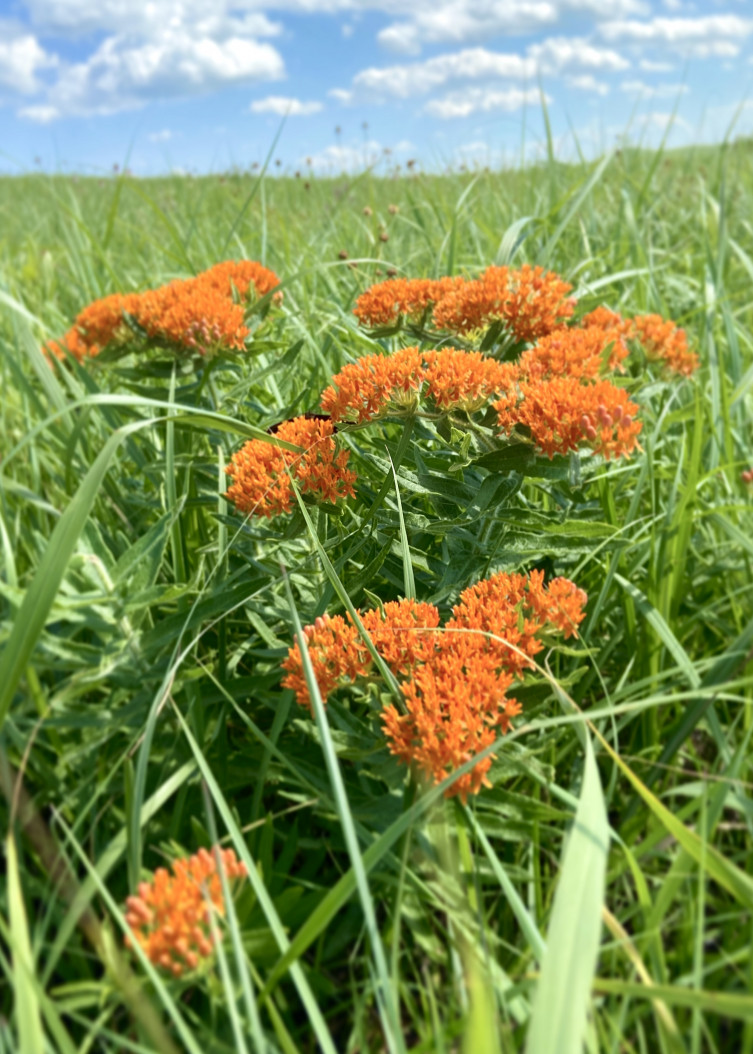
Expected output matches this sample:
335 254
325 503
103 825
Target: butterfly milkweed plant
377 612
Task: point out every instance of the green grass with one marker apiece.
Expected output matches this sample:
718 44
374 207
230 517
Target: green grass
601 887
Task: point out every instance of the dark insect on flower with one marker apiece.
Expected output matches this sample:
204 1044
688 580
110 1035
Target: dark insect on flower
273 429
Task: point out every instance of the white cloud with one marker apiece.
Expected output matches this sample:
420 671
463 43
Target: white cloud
345 157
341 95
700 37
418 78
41 114
284 106
482 100
458 21
349 157
654 91
649 66
21 58
662 121
587 82
149 18
161 137
554 56
124 73
558 54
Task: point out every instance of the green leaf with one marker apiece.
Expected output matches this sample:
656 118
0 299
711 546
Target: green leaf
28 1017
31 618
563 992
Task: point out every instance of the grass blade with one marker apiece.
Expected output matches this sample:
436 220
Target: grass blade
563 992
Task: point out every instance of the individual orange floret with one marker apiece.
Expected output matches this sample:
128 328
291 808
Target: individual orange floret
464 379
383 304
510 613
562 413
400 631
374 385
456 706
574 352
667 343
169 917
747 475
530 302
261 472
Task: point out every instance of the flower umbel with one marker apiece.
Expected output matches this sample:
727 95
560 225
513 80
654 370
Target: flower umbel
464 379
205 314
261 472
666 343
574 352
456 707
373 385
398 630
562 414
455 682
383 304
169 916
530 302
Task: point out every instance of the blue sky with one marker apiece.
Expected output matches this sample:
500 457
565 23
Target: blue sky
203 85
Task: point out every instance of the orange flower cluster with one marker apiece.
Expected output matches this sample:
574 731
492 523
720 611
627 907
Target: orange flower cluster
456 707
530 302
575 352
383 304
261 472
455 683
170 915
464 379
379 384
667 343
99 324
339 656
562 413
367 388
204 314
517 610
747 475
457 702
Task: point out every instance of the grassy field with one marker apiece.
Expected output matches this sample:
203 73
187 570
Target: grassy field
598 895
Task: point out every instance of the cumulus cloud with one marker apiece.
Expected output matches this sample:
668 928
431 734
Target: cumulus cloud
587 82
21 59
351 157
481 100
148 18
123 73
554 56
341 95
654 91
418 78
344 157
701 37
284 106
460 21
649 66
40 114
146 49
